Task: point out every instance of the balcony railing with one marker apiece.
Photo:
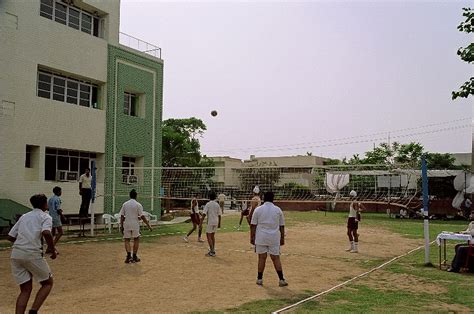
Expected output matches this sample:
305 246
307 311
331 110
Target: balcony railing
140 45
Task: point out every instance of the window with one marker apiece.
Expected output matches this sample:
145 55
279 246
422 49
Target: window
71 16
72 91
66 164
28 163
128 168
130 104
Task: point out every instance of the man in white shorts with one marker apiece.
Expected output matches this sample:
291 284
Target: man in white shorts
130 226
27 254
213 212
267 233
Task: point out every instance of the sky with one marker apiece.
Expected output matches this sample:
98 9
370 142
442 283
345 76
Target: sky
333 78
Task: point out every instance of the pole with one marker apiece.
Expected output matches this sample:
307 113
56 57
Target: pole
93 186
424 178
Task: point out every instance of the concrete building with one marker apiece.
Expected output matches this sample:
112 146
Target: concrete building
294 169
71 94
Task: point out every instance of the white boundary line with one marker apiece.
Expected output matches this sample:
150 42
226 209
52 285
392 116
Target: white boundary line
347 281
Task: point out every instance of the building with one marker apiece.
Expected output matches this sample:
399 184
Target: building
293 169
72 94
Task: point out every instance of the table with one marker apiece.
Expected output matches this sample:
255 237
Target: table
441 241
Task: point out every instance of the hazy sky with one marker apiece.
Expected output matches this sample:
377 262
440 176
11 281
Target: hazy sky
328 77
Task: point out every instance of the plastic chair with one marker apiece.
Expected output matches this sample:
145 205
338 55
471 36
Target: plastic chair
109 220
151 218
117 218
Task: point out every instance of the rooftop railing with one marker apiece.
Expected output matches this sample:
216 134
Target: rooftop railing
140 45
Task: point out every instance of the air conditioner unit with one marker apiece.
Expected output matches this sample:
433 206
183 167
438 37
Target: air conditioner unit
61 175
131 179
71 176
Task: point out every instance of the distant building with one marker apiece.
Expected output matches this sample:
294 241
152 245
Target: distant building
462 159
294 169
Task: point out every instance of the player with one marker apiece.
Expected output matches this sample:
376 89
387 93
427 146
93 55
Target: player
267 233
353 223
221 200
244 213
130 227
55 211
196 220
254 202
213 212
27 257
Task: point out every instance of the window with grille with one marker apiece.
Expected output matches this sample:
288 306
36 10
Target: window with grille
71 16
66 89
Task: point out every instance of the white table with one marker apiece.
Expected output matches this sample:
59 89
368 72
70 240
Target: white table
441 241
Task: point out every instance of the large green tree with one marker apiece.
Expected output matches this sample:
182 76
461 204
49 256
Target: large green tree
181 147
408 154
466 54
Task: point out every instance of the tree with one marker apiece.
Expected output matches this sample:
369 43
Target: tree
408 154
181 147
466 54
440 161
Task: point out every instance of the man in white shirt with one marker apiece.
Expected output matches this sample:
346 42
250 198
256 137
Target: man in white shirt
130 212
213 212
461 250
27 254
85 190
221 200
267 233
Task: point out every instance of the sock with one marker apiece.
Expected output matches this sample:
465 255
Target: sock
129 254
32 311
260 275
134 255
280 274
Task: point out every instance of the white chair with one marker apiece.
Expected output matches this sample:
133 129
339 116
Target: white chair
109 220
151 218
117 218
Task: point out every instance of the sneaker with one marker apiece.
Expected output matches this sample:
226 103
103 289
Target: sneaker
200 240
211 254
354 251
260 282
238 228
128 260
282 283
185 239
135 259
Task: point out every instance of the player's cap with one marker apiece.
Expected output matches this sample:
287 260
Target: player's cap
256 189
353 193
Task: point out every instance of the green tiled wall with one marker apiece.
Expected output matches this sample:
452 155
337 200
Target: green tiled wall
128 71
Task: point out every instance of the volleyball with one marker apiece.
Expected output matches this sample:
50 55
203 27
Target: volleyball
213 113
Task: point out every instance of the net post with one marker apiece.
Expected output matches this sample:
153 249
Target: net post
424 178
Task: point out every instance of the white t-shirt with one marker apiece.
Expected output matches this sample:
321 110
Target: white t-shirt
131 210
352 211
268 219
28 233
470 229
194 210
212 210
86 181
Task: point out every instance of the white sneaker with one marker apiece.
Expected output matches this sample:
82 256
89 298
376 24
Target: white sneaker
200 240
354 251
260 282
238 229
282 283
185 239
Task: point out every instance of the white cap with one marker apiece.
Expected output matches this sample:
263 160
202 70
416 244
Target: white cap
256 189
353 193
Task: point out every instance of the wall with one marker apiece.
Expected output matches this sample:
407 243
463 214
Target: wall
133 136
29 40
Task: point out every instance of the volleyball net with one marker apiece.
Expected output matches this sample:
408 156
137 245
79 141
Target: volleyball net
397 185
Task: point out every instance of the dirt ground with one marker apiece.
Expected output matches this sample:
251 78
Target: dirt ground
174 276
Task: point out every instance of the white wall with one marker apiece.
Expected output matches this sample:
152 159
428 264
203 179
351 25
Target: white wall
28 40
